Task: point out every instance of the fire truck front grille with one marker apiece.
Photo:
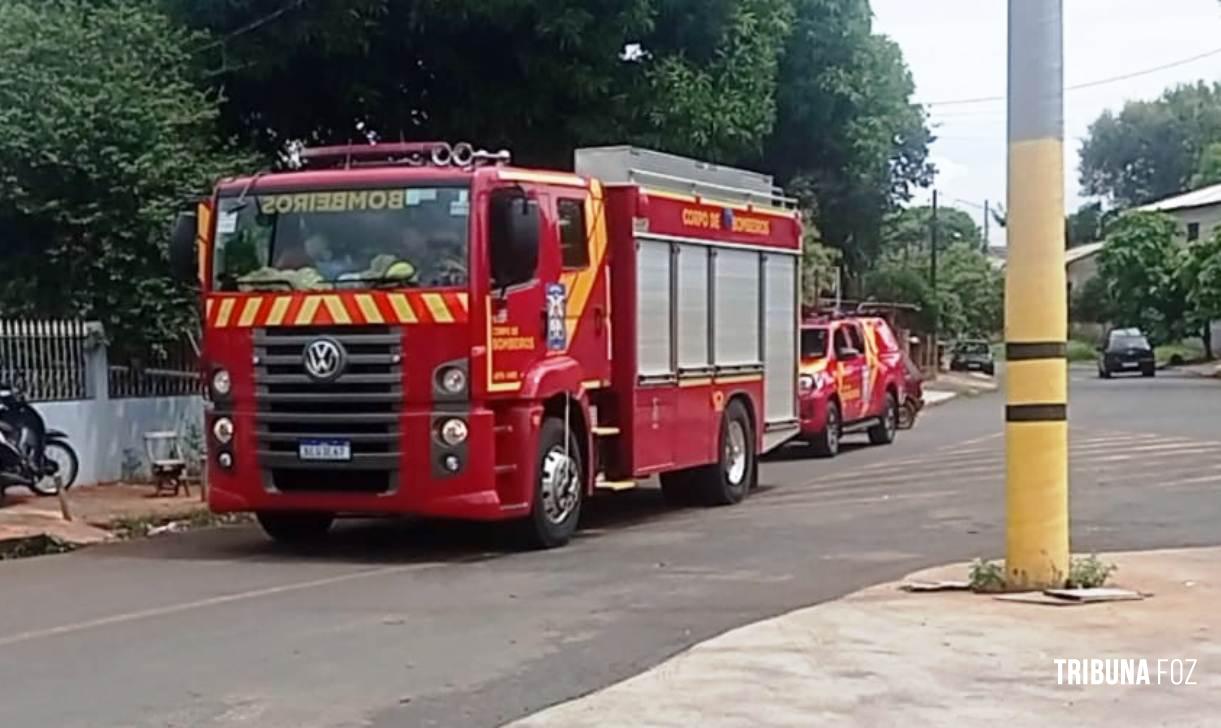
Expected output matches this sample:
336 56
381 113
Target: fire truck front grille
360 408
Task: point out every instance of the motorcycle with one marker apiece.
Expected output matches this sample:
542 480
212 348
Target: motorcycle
30 454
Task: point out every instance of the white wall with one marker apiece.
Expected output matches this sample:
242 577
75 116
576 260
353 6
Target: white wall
101 430
1207 217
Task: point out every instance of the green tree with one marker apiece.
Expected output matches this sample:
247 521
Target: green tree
969 300
1208 169
1201 272
847 133
1141 266
1151 149
1091 302
1084 226
910 229
105 137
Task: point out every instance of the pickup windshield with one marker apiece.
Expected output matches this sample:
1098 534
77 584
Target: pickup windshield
813 343
319 240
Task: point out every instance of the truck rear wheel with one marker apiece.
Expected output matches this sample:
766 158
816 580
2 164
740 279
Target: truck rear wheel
883 433
296 529
731 478
559 488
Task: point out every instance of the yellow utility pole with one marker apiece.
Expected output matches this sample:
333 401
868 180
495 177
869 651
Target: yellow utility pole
1036 313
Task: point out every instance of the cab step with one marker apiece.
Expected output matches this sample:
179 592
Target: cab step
606 431
615 485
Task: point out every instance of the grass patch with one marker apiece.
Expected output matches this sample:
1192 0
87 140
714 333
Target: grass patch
1089 573
1079 351
130 527
988 577
41 545
1186 351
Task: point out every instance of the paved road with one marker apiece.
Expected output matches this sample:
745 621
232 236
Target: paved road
417 625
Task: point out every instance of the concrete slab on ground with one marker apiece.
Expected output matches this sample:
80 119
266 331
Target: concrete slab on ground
883 657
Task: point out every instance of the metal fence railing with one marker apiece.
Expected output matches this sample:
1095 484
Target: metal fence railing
46 359
160 369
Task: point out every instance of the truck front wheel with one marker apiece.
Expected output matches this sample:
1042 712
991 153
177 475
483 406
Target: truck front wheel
559 487
731 478
296 529
883 433
826 443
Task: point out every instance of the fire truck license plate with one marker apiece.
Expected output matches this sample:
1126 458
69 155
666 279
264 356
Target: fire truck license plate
324 450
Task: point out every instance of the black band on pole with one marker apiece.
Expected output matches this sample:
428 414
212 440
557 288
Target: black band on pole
1036 413
1019 351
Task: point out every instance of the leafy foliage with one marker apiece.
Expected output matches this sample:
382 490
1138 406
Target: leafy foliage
1153 149
105 135
1084 226
1140 264
1091 303
1088 573
1201 273
970 292
987 577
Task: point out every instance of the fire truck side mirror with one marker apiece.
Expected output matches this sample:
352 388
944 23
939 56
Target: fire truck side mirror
515 226
183 260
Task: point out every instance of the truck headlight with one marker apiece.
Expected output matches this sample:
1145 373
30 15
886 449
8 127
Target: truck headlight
453 380
222 430
806 381
222 383
453 432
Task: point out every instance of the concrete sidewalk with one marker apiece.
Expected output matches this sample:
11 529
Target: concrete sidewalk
94 509
882 657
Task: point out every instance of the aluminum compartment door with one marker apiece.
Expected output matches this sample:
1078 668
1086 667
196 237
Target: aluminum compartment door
653 335
737 308
692 291
780 338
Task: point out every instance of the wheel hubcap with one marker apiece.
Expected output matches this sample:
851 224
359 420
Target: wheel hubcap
735 453
561 485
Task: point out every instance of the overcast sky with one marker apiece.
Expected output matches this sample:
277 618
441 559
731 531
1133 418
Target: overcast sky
956 50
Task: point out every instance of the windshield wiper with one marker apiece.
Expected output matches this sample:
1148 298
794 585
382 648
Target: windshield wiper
267 284
379 282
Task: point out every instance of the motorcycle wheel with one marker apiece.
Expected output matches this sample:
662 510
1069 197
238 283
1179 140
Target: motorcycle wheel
67 468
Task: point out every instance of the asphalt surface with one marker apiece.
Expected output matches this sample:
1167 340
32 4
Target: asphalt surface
441 625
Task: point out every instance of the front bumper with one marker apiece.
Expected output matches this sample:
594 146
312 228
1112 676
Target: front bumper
813 410
492 483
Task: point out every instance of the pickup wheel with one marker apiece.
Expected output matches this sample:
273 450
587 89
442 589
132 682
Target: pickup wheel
295 529
558 489
731 478
826 443
883 433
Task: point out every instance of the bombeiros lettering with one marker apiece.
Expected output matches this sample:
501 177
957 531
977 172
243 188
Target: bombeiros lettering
349 201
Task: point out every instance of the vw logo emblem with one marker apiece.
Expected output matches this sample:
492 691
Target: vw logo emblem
324 359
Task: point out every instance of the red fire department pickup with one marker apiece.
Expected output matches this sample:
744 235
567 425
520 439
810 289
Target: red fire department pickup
426 329
853 376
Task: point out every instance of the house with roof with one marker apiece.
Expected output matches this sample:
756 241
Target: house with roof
1198 212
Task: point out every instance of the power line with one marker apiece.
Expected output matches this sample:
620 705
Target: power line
1087 84
252 25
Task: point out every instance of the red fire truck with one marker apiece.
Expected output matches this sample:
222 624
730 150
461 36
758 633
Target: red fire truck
420 329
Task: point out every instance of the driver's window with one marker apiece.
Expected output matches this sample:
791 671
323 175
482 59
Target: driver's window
841 341
854 338
574 243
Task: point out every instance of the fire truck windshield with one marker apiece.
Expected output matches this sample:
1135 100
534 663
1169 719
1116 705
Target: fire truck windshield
318 240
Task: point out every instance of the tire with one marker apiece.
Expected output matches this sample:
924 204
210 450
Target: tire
826 443
554 515
1150 372
295 529
1104 373
907 416
729 480
69 466
883 433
